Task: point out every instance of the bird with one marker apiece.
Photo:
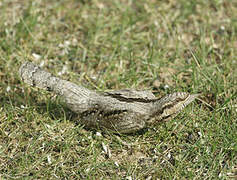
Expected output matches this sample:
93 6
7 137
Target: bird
119 111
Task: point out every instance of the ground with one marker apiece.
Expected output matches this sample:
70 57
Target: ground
162 46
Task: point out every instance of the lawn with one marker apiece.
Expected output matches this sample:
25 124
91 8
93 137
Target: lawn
161 46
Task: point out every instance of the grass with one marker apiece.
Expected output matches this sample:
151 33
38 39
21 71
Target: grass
163 46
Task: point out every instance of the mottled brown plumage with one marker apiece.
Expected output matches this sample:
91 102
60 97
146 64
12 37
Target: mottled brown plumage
122 111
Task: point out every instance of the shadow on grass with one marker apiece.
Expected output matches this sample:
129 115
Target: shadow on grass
17 100
48 106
